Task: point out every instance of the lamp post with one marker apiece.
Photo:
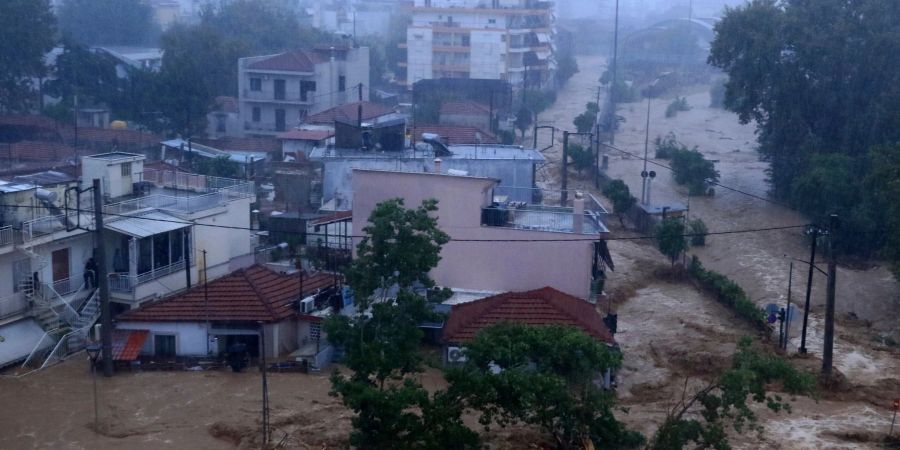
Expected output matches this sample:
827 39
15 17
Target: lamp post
93 351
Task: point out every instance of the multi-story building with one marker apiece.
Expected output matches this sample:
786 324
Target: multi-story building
161 229
509 40
276 92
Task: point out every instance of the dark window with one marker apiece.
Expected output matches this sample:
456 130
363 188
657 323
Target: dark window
279 120
305 88
465 40
256 84
342 83
220 123
164 345
145 255
160 250
256 113
279 90
177 239
126 169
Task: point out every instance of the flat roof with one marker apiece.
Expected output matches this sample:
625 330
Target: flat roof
485 152
114 155
8 187
148 224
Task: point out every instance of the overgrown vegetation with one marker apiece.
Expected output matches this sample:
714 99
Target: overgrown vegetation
728 293
543 376
667 145
690 167
108 22
582 157
698 231
723 402
820 123
27 29
677 105
670 238
622 201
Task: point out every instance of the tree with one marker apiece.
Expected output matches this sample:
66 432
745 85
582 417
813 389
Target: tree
698 232
618 193
108 22
568 67
26 34
670 238
883 182
543 376
523 120
220 166
722 402
380 342
693 170
585 121
582 157
84 73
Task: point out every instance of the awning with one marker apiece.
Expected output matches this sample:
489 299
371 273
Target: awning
147 224
18 339
127 344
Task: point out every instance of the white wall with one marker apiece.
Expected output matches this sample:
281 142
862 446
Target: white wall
223 244
190 337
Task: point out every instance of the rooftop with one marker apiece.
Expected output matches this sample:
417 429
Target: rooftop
306 135
456 134
464 107
114 156
545 306
47 177
348 111
292 61
246 295
485 152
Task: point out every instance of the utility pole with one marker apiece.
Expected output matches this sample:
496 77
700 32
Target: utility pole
206 300
646 149
102 281
814 231
612 90
359 106
265 385
187 258
564 194
787 311
828 351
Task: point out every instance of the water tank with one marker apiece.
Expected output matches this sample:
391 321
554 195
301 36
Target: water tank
45 195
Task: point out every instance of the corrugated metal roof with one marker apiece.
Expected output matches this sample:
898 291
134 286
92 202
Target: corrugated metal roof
147 224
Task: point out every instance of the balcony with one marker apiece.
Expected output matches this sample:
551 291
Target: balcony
291 98
124 283
542 210
7 236
183 192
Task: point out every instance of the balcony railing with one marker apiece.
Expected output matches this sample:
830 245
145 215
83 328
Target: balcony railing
123 282
7 236
213 191
46 225
544 210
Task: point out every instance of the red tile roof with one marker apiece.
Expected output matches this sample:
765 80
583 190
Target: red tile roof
110 136
348 111
545 306
293 61
306 135
242 144
466 107
37 151
455 134
336 217
35 121
247 295
127 344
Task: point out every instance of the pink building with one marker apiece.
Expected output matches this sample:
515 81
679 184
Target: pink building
496 245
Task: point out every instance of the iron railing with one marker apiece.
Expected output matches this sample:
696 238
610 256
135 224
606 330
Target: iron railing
7 235
123 282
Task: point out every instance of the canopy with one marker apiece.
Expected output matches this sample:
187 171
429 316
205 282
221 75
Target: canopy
147 224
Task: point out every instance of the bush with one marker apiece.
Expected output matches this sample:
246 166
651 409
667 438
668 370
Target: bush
618 193
698 231
507 137
717 94
693 170
582 157
679 104
667 145
729 294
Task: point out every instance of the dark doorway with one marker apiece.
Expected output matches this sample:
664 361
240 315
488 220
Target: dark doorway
250 340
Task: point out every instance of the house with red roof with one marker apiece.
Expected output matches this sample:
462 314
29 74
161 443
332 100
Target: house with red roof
287 309
539 307
278 92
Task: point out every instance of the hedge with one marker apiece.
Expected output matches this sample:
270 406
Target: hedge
729 293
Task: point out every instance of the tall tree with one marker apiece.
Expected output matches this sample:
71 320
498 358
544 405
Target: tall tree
670 238
108 22
381 341
542 376
618 193
89 75
26 35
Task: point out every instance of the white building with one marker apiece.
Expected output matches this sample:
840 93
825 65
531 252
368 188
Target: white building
276 92
159 226
509 40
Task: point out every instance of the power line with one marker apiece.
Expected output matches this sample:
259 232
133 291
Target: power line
580 239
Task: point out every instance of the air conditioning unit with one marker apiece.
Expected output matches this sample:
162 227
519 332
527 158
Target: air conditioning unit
456 355
307 305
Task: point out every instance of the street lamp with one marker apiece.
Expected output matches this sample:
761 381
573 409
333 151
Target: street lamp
93 351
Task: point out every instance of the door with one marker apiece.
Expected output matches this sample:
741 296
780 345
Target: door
164 345
279 120
60 260
279 89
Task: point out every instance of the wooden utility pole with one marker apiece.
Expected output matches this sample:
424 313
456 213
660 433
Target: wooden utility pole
814 231
828 351
102 281
563 196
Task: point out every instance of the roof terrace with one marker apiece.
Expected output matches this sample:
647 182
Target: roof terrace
547 210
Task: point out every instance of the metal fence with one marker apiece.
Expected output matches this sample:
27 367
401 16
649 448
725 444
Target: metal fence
124 282
7 235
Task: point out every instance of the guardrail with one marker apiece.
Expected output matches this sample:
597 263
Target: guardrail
123 282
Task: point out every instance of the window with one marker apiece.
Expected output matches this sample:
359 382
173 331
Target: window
126 169
256 84
305 88
279 120
315 331
177 239
145 255
160 250
279 90
256 114
164 344
342 83
492 20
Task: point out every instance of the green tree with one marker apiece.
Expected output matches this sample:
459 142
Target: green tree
582 157
883 181
618 193
698 232
220 166
523 120
26 34
108 22
380 342
702 420
568 67
670 238
585 121
543 376
693 170
89 75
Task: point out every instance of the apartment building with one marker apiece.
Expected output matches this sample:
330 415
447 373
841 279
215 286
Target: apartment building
276 92
509 40
160 229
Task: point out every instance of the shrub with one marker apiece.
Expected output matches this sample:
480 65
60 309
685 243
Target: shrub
698 231
667 145
729 294
679 104
693 170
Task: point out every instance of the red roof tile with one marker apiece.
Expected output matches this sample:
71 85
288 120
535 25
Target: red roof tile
34 121
127 344
247 295
37 151
336 217
545 306
293 61
466 107
242 144
306 135
348 112
456 134
109 136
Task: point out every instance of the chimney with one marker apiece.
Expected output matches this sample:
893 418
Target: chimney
437 165
578 213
